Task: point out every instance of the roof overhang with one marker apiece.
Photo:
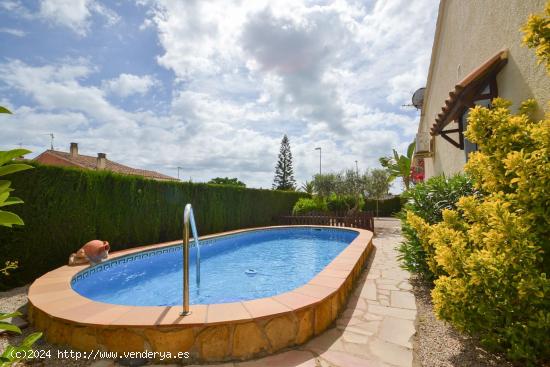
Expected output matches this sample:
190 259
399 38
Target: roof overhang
466 90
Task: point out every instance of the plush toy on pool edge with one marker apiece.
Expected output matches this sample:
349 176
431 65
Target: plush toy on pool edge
92 252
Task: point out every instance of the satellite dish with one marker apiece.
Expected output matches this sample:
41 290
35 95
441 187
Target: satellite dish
418 98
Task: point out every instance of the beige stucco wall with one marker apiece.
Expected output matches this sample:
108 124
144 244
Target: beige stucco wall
468 33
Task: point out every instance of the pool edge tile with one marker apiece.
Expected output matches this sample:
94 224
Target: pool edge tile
227 312
316 291
197 317
265 307
327 281
296 301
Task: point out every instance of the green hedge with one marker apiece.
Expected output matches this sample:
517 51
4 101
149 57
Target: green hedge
64 208
386 208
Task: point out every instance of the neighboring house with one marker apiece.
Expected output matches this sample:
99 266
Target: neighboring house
477 55
73 159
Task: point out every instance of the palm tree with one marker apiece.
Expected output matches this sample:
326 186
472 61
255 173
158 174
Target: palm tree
399 165
308 187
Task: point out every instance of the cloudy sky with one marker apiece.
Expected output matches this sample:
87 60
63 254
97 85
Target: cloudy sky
212 86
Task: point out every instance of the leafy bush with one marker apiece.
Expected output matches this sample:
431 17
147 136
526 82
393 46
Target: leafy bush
8 219
493 249
342 203
15 353
309 205
339 204
427 200
227 181
386 207
537 35
64 208
325 184
344 191
8 166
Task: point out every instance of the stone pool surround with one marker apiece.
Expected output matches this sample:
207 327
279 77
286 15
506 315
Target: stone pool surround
212 333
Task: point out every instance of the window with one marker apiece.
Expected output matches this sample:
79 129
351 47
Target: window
477 88
468 145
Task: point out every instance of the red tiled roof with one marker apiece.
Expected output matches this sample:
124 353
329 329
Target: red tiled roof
459 95
89 162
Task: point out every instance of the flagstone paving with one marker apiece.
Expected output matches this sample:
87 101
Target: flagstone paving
377 326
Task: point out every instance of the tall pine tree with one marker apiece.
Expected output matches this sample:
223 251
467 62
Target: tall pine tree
284 174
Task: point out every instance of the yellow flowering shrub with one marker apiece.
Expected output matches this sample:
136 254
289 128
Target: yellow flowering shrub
537 35
492 251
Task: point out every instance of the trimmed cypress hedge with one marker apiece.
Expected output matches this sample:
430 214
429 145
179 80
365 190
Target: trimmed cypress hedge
386 208
66 207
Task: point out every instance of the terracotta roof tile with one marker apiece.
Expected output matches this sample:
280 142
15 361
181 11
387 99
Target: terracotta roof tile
89 162
471 81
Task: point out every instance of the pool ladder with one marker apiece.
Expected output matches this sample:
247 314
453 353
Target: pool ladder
188 217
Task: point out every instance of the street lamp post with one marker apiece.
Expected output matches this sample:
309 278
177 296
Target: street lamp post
179 172
356 168
319 149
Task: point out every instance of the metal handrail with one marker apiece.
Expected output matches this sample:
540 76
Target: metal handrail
188 217
196 240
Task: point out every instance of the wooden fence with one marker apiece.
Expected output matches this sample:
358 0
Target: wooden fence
361 220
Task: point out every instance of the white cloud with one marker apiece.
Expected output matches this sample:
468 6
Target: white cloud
202 142
75 14
298 53
327 74
13 32
127 84
57 87
110 16
16 7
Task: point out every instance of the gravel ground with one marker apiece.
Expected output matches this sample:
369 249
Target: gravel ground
438 344
11 301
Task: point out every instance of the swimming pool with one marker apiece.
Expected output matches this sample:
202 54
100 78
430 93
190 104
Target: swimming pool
219 331
237 267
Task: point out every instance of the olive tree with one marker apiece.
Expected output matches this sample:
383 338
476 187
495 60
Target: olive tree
376 184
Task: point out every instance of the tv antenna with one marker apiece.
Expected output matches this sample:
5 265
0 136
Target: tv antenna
52 137
51 141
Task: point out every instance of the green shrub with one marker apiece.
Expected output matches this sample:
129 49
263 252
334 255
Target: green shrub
537 35
16 353
309 205
493 249
427 200
64 208
9 166
386 207
342 203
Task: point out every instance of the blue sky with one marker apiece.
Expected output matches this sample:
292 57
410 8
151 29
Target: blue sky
213 86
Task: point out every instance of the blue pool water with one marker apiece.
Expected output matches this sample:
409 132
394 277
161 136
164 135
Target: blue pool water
238 267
